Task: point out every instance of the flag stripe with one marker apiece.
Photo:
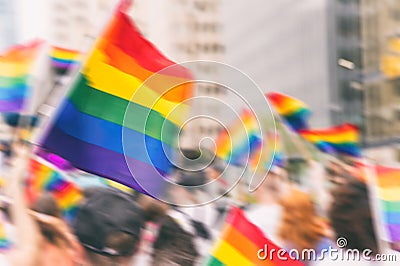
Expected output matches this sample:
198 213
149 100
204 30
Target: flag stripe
116 112
6 82
138 92
159 82
394 232
228 255
213 261
391 206
11 106
392 218
108 164
120 33
390 194
11 93
99 132
243 245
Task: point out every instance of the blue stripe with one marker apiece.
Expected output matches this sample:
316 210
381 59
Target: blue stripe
392 218
108 135
64 61
15 92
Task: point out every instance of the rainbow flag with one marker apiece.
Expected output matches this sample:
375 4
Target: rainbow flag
64 59
240 242
5 242
43 178
294 112
110 102
339 139
15 67
272 155
236 144
388 181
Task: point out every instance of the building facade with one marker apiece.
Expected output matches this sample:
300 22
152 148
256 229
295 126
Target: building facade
364 95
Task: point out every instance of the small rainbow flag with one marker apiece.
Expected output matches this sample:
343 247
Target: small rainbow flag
15 67
236 144
240 244
272 155
43 178
295 112
388 181
5 242
64 59
339 139
114 124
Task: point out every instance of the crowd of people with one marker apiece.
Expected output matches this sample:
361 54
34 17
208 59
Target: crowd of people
113 227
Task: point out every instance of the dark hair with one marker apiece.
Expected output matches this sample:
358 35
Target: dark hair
173 246
351 217
46 204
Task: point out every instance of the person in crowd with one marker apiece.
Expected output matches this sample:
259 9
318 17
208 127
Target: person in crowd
351 219
59 246
26 248
108 225
174 245
301 228
266 213
351 216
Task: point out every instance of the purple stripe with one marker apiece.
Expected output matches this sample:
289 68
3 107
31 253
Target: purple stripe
11 105
394 232
106 163
62 65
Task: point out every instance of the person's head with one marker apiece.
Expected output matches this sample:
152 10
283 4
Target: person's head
301 227
47 204
275 185
173 246
108 225
351 217
153 210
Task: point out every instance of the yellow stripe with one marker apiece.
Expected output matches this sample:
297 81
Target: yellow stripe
337 138
125 86
389 194
228 255
13 69
64 54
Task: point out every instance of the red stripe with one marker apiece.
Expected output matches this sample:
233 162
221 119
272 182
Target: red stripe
124 34
237 219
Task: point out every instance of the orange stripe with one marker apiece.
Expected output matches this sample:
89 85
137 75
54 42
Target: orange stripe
243 245
163 84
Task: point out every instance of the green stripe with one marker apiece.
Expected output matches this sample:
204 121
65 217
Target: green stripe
213 261
6 82
111 108
391 206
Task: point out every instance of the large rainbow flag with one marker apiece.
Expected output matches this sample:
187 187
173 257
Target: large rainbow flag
110 102
44 178
341 139
294 112
63 59
240 242
236 144
15 67
388 181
